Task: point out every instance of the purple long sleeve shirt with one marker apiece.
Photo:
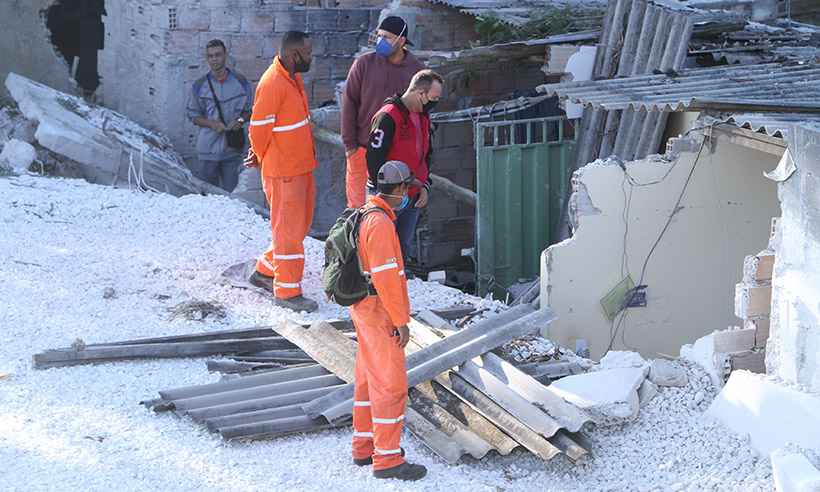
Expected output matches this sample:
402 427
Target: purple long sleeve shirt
371 80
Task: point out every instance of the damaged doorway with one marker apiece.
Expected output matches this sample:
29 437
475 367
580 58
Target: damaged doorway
77 32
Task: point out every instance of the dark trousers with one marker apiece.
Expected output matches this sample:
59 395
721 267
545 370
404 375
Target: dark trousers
406 221
224 173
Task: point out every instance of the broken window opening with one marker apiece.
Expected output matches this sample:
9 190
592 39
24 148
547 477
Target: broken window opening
77 32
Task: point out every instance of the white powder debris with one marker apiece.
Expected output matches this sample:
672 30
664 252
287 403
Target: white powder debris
81 428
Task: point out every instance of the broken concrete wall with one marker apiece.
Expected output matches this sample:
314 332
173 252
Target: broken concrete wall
793 350
25 43
155 50
725 213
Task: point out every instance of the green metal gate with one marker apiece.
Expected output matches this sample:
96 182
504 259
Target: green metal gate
522 179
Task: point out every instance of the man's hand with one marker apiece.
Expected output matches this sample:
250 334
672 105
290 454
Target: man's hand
423 197
404 336
217 126
350 152
251 161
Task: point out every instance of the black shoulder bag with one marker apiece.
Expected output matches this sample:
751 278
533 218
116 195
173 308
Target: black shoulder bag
235 138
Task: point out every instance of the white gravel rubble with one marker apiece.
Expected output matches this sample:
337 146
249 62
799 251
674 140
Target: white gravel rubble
65 243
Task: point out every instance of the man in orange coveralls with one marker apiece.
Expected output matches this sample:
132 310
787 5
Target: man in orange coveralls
380 394
282 144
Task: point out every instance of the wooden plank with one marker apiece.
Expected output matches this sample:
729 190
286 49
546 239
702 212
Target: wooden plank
90 355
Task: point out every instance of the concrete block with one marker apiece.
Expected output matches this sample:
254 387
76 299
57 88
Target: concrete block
761 327
728 341
322 20
771 414
290 20
752 361
322 91
647 392
183 42
758 268
225 20
752 300
342 43
667 373
608 395
793 472
194 19
270 45
256 22
246 46
354 20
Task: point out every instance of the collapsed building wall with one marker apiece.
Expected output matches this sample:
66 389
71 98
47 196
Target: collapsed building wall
724 214
793 351
155 50
26 45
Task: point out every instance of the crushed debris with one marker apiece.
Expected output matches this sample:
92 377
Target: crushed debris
198 310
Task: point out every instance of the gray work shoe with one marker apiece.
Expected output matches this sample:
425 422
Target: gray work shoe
298 303
261 280
405 471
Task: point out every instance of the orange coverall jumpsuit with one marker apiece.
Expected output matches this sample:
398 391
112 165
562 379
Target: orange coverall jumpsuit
380 394
282 141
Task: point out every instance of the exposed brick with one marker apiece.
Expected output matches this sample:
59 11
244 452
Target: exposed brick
194 19
256 22
341 67
319 44
761 326
246 46
290 20
225 20
323 91
753 361
354 20
729 341
322 20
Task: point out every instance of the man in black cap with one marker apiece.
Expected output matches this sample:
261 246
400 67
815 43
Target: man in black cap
373 78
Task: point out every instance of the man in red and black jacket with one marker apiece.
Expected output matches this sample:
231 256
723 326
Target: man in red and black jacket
401 132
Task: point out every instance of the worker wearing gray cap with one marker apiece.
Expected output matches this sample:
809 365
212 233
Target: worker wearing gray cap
380 394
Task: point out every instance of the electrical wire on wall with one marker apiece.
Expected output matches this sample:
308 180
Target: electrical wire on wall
618 321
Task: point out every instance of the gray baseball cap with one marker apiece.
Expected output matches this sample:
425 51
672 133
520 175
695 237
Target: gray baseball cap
395 172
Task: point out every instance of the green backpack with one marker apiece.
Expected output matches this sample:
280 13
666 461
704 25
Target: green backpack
342 277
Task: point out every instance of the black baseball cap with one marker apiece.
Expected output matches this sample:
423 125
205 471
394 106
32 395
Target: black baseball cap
397 26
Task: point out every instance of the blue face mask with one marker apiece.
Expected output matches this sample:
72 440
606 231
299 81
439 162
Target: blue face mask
384 47
404 203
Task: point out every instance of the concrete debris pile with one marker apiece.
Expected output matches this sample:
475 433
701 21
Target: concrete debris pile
104 146
463 398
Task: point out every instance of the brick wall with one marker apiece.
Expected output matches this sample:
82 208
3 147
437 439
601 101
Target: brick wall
155 50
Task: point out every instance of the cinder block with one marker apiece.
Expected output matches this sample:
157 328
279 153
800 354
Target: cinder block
183 42
761 326
342 43
354 20
728 341
246 45
270 45
752 301
194 19
290 20
257 22
225 20
323 91
322 20
753 361
757 269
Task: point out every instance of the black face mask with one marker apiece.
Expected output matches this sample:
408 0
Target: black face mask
301 66
429 106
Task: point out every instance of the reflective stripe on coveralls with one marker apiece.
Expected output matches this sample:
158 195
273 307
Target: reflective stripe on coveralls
380 394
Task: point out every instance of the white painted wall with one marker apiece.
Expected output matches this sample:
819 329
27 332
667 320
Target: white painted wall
726 214
793 350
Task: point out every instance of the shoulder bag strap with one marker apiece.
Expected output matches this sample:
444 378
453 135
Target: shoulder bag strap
216 100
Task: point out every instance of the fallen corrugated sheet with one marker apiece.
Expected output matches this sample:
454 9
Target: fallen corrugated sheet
463 345
639 36
775 84
773 124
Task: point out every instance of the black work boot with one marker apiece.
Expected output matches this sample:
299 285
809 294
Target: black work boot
369 460
405 471
261 280
298 303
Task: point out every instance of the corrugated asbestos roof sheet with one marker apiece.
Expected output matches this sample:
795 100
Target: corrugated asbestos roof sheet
772 124
517 12
769 84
